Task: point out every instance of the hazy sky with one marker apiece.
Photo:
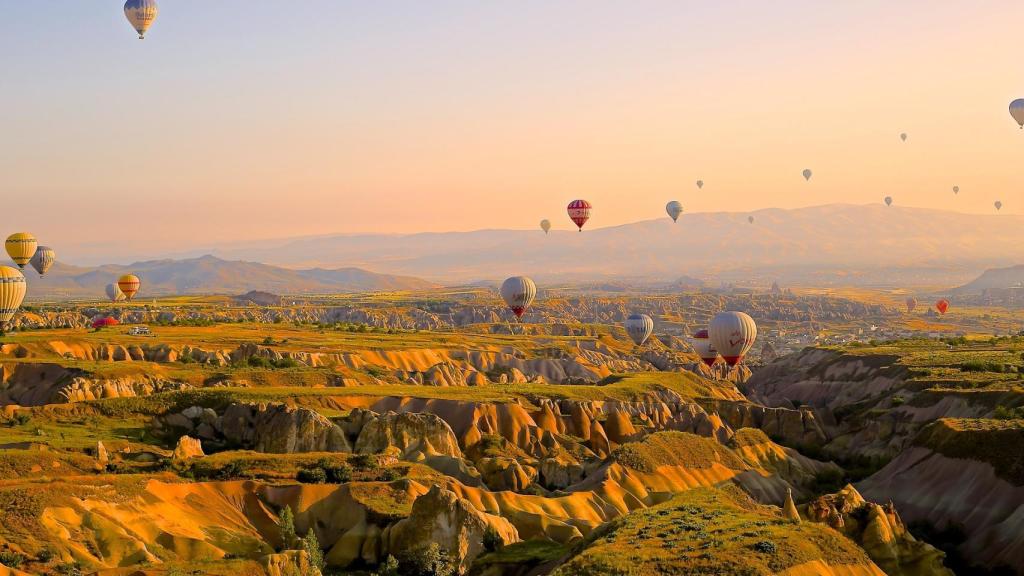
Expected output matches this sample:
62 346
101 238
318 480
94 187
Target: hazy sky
244 119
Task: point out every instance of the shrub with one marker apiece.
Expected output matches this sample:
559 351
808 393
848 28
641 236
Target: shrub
339 474
286 525
493 541
428 560
312 547
11 559
258 362
364 461
312 476
388 568
1007 413
765 546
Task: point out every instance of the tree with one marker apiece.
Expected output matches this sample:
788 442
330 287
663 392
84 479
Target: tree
286 525
312 547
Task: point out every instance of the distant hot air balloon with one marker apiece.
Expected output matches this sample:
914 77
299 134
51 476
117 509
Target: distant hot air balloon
545 225
903 136
114 293
888 200
141 14
911 304
732 334
700 184
104 322
942 306
956 189
639 328
704 348
750 219
43 259
21 246
129 285
674 209
998 204
807 173
579 212
1017 111
518 292
12 292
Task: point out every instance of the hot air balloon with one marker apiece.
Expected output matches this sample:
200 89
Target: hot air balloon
911 304
129 285
998 204
21 246
579 212
704 348
732 334
518 292
104 322
807 173
956 189
114 293
700 184
1017 111
888 200
12 292
141 14
639 328
545 225
903 136
750 219
674 209
942 306
43 259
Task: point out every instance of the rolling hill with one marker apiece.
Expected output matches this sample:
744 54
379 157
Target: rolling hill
211 275
1009 277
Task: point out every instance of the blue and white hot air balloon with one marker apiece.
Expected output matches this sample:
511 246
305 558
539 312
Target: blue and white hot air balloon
141 14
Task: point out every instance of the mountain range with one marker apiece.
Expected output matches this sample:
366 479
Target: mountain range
211 275
839 243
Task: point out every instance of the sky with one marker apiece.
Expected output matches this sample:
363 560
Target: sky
238 120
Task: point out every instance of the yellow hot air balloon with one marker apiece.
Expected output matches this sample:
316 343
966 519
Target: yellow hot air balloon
12 292
21 247
141 14
129 285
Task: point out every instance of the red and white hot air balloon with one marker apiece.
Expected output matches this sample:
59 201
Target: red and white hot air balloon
942 305
579 212
518 292
732 334
702 345
911 304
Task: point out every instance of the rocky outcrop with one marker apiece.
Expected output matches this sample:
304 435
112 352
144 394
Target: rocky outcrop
32 384
440 516
415 435
880 531
186 448
282 429
795 427
289 563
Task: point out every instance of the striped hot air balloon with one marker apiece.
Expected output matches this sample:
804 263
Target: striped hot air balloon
732 333
114 293
12 293
579 212
141 14
21 246
639 327
43 259
518 292
129 285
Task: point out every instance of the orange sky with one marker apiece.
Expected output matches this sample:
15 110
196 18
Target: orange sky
242 120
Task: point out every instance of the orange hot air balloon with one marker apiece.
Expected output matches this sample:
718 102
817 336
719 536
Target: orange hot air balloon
129 285
942 306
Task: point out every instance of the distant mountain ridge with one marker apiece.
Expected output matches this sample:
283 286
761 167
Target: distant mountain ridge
848 243
212 275
1009 277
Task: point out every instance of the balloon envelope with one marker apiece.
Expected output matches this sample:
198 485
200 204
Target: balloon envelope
998 204
674 209
702 345
942 306
104 322
732 334
888 200
12 293
518 292
639 328
807 173
21 247
545 225
956 189
903 136
129 285
579 212
911 304
114 293
43 259
700 184
141 14
1017 111
750 219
